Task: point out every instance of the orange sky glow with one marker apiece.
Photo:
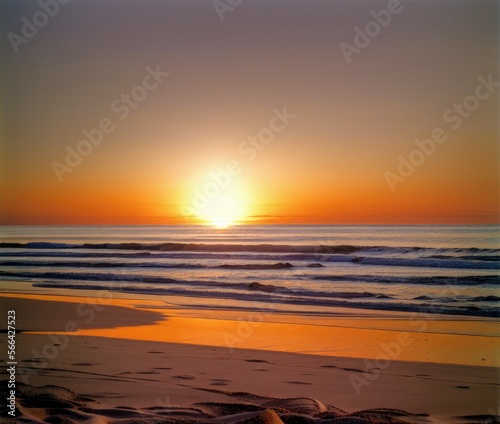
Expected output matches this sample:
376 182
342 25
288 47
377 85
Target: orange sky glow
256 119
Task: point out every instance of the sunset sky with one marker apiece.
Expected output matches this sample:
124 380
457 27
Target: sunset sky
226 81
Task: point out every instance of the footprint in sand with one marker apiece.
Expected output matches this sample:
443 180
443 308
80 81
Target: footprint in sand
37 360
346 369
154 351
219 382
258 361
462 387
184 377
84 364
162 368
298 382
147 372
260 369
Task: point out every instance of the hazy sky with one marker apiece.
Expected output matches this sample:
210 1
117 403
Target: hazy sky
336 161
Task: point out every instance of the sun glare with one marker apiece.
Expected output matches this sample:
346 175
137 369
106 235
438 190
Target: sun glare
221 207
218 200
222 211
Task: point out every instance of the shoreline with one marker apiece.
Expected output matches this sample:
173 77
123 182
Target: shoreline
353 333
138 370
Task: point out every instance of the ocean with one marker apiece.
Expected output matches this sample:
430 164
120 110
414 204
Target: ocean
299 269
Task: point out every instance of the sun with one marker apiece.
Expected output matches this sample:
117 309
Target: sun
218 200
223 211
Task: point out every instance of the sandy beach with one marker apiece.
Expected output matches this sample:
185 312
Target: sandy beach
119 359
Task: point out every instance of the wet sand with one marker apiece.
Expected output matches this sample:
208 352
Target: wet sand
122 363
